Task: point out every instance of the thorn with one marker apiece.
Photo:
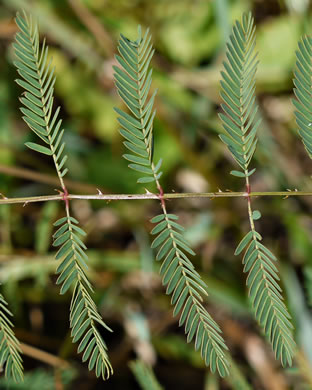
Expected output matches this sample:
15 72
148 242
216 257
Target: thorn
59 191
2 196
219 190
285 197
296 189
99 192
287 189
25 204
227 190
148 192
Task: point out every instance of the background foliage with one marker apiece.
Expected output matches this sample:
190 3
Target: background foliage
189 37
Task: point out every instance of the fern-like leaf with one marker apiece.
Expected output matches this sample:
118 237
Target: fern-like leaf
83 312
38 81
266 297
187 288
238 88
239 122
10 357
303 92
133 82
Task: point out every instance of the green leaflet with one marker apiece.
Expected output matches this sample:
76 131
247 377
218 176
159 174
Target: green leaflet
256 215
39 148
237 173
241 246
145 180
242 174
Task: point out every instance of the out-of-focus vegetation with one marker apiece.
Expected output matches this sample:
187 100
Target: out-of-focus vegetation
189 37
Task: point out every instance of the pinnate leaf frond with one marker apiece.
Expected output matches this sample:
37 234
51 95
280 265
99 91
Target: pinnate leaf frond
38 79
133 81
303 92
266 296
84 316
187 288
10 351
237 92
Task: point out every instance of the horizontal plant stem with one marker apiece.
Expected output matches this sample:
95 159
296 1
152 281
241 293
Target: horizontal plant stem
149 195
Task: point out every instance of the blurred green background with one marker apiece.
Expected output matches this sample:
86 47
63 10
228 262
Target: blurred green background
189 37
